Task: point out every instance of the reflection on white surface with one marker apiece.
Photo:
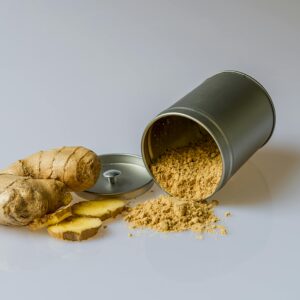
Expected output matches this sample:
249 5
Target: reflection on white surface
22 250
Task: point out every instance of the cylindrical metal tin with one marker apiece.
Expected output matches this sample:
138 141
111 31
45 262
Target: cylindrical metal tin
231 106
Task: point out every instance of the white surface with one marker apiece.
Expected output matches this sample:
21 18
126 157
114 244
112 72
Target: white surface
94 73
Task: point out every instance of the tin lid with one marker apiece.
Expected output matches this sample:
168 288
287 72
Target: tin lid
122 175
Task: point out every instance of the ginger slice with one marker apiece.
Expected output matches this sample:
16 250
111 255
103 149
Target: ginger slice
102 209
75 228
51 219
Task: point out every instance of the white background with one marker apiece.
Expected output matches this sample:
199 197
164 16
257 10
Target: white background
94 73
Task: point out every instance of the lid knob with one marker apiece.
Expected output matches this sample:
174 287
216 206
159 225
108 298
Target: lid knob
111 175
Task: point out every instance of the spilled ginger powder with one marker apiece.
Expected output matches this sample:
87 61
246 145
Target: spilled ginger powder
190 174
170 214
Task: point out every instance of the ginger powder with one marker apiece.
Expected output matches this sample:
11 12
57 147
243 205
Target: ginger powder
191 172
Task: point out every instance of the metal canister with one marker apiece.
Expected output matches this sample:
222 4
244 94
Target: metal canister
231 106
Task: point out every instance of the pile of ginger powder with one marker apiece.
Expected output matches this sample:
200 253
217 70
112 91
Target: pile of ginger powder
190 174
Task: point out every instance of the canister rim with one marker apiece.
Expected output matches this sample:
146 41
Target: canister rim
173 113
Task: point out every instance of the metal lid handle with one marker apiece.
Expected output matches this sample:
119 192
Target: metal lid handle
111 175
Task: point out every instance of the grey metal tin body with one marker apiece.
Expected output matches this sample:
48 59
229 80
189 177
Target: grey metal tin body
233 107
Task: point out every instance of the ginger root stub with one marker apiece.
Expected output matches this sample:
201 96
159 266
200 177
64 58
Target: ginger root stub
24 199
77 167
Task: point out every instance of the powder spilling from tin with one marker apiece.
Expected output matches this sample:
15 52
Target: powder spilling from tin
190 172
170 214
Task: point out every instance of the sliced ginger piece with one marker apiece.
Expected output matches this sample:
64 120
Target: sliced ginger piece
102 209
75 228
51 219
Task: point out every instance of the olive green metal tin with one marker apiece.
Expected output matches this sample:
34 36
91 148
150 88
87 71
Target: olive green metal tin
231 106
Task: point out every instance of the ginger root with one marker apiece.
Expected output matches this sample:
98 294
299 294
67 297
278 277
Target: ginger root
40 183
23 199
75 228
77 167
